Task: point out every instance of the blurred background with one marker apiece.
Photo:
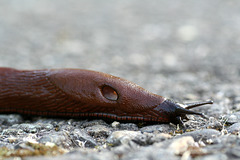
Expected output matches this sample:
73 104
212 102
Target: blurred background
186 50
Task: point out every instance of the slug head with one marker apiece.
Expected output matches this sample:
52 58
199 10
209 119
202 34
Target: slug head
176 111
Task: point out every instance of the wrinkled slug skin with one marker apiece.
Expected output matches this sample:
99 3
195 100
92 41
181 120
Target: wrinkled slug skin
77 93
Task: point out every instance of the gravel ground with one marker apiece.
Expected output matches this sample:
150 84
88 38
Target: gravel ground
184 50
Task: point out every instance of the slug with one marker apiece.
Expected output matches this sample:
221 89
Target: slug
81 93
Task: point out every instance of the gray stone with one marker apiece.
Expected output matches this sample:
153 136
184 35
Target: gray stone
99 131
226 139
143 139
162 128
10 119
29 128
233 118
233 152
151 152
157 137
82 139
128 126
217 156
79 155
61 138
234 129
214 123
12 131
93 123
203 135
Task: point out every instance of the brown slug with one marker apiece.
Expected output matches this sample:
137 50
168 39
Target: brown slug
81 93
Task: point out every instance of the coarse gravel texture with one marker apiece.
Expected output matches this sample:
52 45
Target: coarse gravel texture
184 50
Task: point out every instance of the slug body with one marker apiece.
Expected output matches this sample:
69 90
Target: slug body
83 93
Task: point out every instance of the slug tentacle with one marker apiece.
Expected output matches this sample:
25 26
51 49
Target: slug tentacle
196 104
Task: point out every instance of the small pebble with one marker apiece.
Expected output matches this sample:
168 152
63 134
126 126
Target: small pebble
115 124
181 145
98 130
234 129
122 137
